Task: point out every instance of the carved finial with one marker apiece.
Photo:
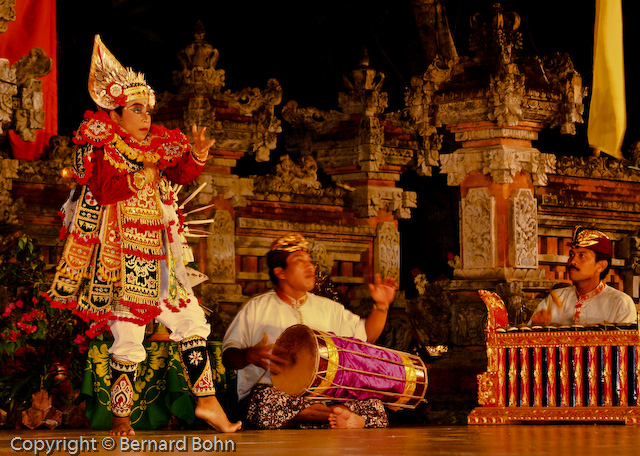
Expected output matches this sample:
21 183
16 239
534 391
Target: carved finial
495 33
198 61
199 30
364 58
199 54
364 77
364 89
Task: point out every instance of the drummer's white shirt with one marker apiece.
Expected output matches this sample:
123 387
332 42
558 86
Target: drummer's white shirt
268 314
608 306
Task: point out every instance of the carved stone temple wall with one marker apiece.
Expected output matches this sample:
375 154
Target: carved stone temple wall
338 177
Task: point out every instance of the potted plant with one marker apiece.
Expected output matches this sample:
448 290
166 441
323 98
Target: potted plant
41 348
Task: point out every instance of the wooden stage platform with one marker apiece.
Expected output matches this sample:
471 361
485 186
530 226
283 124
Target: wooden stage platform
540 439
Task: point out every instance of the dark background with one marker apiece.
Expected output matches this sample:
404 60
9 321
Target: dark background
308 45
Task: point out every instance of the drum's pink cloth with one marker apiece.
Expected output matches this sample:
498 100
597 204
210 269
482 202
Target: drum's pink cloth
367 366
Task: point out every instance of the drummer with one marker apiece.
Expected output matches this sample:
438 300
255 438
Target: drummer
248 343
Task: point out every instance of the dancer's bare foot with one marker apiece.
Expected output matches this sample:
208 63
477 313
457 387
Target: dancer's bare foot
121 426
209 410
343 418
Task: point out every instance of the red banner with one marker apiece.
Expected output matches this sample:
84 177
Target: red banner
35 26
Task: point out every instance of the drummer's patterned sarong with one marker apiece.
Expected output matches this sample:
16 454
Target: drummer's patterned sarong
270 408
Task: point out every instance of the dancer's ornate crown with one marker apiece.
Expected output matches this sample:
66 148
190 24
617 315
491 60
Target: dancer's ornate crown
110 84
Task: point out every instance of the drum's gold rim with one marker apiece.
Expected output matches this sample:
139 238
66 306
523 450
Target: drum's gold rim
333 361
411 380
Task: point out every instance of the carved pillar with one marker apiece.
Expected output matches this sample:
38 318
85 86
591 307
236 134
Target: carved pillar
387 250
523 229
478 231
220 260
495 126
499 226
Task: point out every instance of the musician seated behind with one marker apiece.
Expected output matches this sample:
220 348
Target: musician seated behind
589 300
248 343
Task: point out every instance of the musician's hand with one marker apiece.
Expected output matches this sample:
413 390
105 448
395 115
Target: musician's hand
201 144
383 291
542 317
262 356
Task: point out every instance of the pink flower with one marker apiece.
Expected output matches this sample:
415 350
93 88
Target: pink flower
12 305
13 336
19 304
34 300
79 339
83 347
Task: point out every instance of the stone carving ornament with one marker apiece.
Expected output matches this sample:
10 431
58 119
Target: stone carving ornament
21 99
10 208
7 13
296 182
221 249
502 163
602 167
478 236
431 315
419 102
370 140
198 60
364 90
199 78
8 90
387 250
368 201
523 241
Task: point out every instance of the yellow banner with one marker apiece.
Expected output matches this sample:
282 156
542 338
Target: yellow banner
607 113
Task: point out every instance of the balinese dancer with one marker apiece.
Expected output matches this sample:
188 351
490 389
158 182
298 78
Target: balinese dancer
123 263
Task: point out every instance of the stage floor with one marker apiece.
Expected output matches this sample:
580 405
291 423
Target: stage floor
544 439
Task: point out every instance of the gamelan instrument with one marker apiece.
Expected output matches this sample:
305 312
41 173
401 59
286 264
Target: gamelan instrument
557 373
325 366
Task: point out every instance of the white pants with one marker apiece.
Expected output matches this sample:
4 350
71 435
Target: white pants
188 322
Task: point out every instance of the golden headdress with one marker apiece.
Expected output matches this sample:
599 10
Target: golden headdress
112 85
591 239
291 242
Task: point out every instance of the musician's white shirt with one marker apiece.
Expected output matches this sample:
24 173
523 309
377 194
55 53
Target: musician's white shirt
267 313
608 306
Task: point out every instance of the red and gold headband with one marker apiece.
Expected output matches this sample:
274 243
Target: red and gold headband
110 84
591 239
291 242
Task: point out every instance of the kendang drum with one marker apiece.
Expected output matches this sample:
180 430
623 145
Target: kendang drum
325 366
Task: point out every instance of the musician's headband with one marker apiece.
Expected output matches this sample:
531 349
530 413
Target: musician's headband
291 242
591 239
